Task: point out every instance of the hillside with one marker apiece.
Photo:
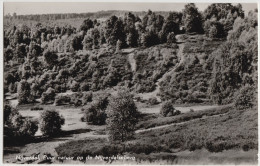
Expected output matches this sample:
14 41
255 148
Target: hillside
163 87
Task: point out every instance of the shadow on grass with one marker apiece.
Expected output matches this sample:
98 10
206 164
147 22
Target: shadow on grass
21 141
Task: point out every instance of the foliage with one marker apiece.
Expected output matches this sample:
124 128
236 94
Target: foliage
235 59
246 97
51 122
153 101
168 109
24 92
61 100
96 113
17 126
192 19
122 115
50 57
48 96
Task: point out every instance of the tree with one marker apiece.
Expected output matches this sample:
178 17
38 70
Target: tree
96 113
77 42
149 39
114 31
168 27
24 92
192 19
122 116
16 125
50 57
51 122
63 76
130 29
86 25
246 97
213 29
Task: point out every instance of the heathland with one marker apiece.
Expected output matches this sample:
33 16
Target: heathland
160 87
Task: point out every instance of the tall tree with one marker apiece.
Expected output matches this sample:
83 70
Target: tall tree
122 115
192 19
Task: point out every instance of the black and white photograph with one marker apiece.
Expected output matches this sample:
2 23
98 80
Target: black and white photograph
130 83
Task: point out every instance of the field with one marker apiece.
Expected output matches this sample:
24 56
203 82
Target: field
171 140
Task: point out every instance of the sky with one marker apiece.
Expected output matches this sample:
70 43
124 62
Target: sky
22 8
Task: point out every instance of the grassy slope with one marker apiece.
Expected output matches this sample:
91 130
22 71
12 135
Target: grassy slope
236 130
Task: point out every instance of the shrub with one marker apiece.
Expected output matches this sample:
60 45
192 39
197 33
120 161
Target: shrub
36 108
153 101
48 96
18 126
8 110
246 98
87 97
171 38
74 86
51 122
95 114
28 128
84 87
61 100
75 99
168 109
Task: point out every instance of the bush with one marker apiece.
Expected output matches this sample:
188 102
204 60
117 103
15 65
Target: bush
36 108
18 126
75 99
8 110
51 122
153 101
61 100
95 114
48 96
246 98
171 38
84 87
28 128
87 97
168 109
74 86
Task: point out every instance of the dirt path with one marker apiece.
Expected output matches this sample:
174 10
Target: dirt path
132 61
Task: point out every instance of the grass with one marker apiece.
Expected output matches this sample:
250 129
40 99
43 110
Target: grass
93 147
149 121
236 130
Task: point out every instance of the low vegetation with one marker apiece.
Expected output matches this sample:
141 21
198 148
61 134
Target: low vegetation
216 133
